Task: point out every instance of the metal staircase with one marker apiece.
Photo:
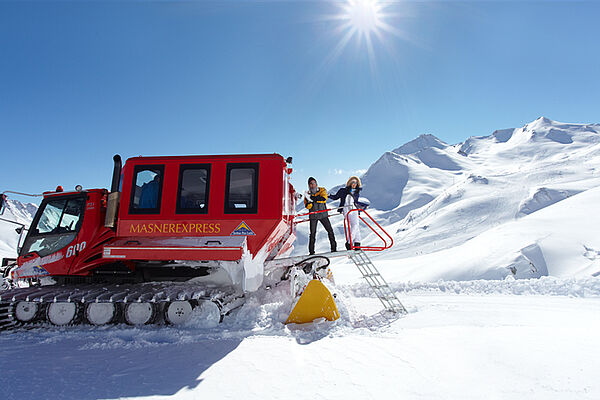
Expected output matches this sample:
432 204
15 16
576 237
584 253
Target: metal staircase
378 284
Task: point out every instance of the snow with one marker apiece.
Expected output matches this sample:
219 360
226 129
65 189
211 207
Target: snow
435 158
541 198
496 258
565 235
459 341
422 142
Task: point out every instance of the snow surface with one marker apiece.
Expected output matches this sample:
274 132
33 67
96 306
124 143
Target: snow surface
511 339
496 258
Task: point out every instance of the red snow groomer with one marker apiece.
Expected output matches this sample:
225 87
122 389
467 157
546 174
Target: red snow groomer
173 234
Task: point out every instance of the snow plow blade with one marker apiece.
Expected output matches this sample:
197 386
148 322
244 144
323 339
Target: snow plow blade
315 302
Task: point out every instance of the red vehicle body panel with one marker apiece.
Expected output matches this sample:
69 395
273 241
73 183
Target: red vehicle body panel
269 231
84 253
159 249
216 222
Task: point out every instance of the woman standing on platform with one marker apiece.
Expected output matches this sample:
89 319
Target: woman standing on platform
348 197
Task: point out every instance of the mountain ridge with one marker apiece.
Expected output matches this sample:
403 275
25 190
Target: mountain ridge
496 180
434 197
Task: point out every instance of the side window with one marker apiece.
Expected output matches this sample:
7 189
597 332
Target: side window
193 190
60 216
241 190
146 189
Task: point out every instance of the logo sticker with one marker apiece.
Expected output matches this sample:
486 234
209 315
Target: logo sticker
39 270
242 230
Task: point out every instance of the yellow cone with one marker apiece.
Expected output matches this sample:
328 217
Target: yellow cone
315 302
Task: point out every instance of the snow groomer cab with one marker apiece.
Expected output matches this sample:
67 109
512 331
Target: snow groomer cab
215 219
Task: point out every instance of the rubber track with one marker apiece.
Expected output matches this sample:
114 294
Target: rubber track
152 292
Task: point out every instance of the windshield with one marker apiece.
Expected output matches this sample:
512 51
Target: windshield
55 226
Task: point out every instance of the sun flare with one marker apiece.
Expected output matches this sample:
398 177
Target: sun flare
363 15
372 28
369 23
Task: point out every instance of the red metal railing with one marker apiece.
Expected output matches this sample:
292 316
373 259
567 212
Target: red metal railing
311 213
387 243
348 233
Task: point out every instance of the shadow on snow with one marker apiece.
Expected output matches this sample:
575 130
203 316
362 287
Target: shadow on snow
103 366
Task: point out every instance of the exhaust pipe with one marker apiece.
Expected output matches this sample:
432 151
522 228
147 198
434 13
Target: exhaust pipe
114 196
114 187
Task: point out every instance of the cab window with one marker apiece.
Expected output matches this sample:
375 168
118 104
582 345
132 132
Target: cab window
56 225
146 190
241 188
193 190
60 216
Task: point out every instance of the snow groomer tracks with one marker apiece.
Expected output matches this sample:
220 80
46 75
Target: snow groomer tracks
149 303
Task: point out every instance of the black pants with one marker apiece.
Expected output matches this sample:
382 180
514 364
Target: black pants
313 234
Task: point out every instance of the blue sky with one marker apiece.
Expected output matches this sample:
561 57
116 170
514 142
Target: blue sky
81 81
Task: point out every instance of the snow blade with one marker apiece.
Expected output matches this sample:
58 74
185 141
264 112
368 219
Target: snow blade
315 302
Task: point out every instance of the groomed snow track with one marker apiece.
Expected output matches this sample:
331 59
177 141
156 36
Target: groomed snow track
136 304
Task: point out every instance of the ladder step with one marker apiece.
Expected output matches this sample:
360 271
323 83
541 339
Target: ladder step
380 287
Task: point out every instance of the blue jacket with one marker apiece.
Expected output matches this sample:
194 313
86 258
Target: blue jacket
343 192
149 194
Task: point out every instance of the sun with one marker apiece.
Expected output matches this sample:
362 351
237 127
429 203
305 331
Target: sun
363 16
373 26
370 23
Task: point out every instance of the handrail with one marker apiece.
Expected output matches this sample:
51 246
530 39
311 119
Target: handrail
22 194
313 212
347 232
366 248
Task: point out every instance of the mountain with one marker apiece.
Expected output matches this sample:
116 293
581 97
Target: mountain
518 202
482 214
426 141
18 212
438 199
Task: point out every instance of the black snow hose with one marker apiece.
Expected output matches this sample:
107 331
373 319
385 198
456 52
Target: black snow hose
307 268
313 258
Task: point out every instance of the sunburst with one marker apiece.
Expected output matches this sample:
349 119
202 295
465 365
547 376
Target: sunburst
363 16
365 21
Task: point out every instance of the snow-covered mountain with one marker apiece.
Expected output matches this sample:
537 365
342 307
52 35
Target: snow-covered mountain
14 211
439 200
517 203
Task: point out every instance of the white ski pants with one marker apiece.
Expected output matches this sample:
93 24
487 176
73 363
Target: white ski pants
353 223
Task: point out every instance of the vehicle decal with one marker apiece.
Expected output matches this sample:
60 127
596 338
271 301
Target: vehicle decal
39 270
177 228
34 267
75 249
242 230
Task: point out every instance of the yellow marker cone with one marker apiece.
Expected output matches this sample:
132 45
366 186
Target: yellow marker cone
315 302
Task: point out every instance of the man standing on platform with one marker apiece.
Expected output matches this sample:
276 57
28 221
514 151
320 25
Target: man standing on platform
315 200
